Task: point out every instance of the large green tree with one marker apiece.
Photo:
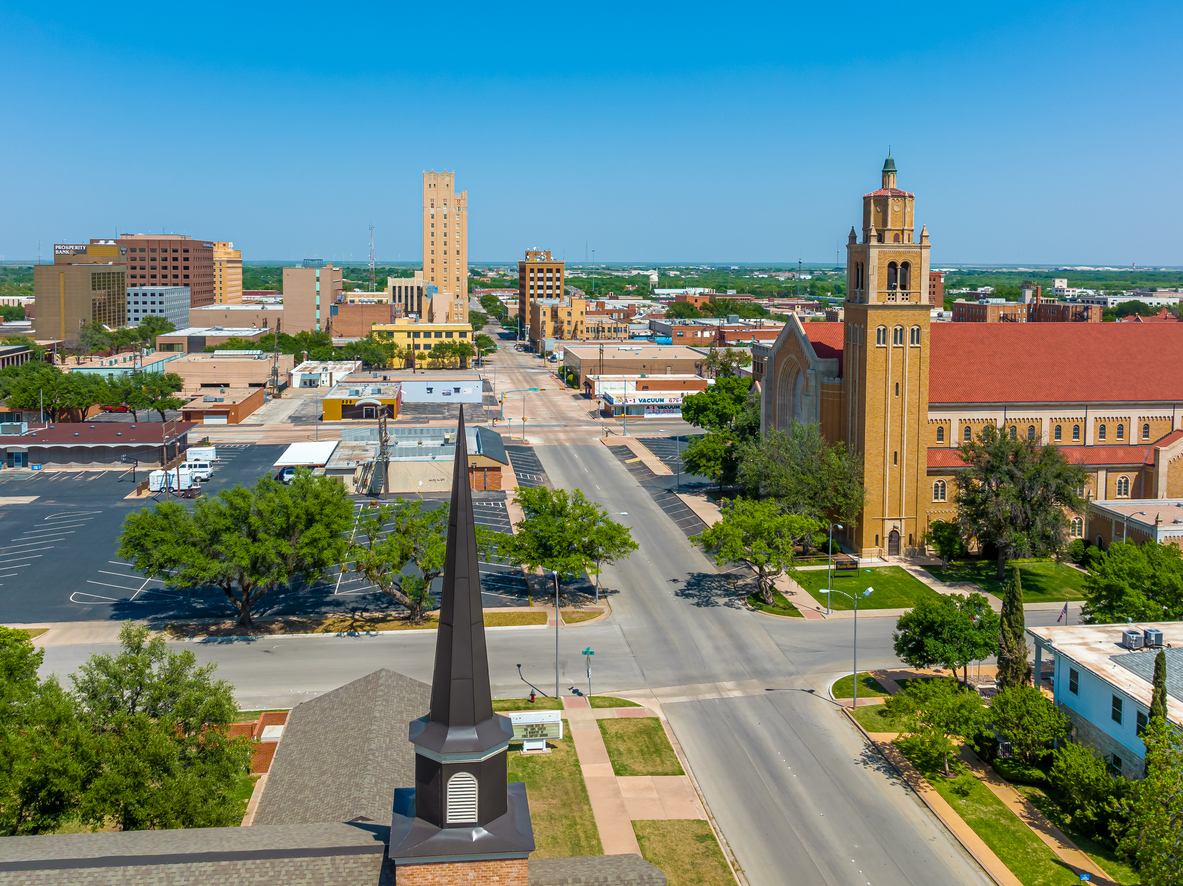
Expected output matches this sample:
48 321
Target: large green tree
725 362
563 532
719 406
758 534
1017 495
400 550
947 630
1028 719
159 391
713 456
1135 582
245 542
1158 697
946 538
943 712
1013 667
477 320
1089 793
163 752
1154 809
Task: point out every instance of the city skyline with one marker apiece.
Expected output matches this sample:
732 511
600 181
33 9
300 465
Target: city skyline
1039 137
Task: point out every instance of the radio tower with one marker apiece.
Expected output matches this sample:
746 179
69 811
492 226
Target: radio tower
372 289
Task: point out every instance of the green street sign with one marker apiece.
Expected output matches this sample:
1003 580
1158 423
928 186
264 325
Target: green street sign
587 651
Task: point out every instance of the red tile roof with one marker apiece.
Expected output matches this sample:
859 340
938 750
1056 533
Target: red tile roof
1056 363
889 192
948 457
826 339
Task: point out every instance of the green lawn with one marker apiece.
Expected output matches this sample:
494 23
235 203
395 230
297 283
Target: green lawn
1118 869
686 850
894 588
607 701
252 716
1044 581
243 791
1015 844
780 605
33 633
875 718
559 808
868 687
540 703
638 746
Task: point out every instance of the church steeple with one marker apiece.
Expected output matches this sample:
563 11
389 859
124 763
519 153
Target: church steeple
889 172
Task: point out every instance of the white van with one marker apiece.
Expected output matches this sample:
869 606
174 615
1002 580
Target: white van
200 470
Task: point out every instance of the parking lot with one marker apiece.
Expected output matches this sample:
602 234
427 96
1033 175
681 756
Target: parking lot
526 466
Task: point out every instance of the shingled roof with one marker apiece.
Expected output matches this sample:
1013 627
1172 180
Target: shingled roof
344 752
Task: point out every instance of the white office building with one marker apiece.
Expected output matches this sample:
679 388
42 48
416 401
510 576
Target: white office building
169 302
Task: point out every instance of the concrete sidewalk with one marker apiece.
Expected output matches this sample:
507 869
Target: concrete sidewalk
603 790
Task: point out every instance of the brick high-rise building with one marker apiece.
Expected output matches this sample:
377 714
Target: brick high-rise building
445 242
539 276
171 260
936 288
227 274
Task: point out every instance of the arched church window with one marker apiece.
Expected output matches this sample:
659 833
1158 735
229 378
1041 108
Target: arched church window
895 238
1030 432
897 335
1123 487
893 276
1100 432
462 798
1076 433
939 490
1014 432
1077 527
1058 433
1121 432
905 275
1146 431
881 335
915 335
969 433
940 435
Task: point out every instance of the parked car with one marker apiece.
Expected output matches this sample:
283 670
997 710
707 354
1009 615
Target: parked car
286 475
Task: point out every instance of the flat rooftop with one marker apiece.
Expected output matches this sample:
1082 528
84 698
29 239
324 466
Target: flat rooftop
328 366
217 398
633 376
1098 649
99 433
237 331
634 349
359 390
260 306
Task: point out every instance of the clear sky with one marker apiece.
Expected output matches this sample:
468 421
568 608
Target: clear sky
1043 133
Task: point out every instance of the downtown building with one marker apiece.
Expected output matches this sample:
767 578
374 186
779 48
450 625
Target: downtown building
87 283
171 260
445 247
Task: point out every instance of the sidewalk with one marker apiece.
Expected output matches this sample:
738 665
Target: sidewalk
640 451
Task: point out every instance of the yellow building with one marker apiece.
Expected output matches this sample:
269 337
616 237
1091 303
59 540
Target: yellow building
560 320
445 244
361 399
417 337
905 394
227 274
87 283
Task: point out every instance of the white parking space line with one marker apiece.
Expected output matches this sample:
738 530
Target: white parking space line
12 549
70 515
22 557
108 585
125 575
52 533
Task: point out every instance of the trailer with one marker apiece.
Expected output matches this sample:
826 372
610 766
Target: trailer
202 453
176 480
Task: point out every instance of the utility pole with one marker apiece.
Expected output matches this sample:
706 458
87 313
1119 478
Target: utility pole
275 360
384 453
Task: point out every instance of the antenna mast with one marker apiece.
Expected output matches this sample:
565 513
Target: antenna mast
372 289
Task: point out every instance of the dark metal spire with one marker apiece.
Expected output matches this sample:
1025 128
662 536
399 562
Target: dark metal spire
460 694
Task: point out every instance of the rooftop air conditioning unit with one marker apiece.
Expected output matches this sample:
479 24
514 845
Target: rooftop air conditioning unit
1152 638
1131 639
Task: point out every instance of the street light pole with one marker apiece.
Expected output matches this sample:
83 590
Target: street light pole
830 569
555 573
854 650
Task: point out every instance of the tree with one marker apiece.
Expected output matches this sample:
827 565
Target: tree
1029 720
949 631
477 320
45 752
1017 494
719 406
804 474
946 538
158 389
682 310
1090 794
373 352
713 456
1154 808
152 326
1013 669
724 362
1158 698
565 533
758 534
391 538
1136 582
92 338
164 755
243 541
943 711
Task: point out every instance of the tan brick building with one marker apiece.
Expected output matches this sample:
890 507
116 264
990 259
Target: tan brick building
227 274
445 242
539 276
906 395
86 283
308 293
171 260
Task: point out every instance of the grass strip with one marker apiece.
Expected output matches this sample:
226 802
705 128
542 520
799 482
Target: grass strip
341 624
575 616
780 605
894 587
875 718
686 850
1015 844
868 687
560 810
1044 581
32 633
1106 857
608 701
540 703
638 746
252 716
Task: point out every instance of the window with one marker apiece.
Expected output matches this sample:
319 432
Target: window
881 335
893 276
940 435
1115 710
905 275
897 335
939 490
1123 487
1140 722
1115 764
969 433
1014 432
1100 432
1030 432
1078 527
1074 681
895 457
1121 432
1146 432
897 388
1058 434
1075 433
915 335
462 798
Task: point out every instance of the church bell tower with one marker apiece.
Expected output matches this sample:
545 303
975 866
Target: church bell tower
885 346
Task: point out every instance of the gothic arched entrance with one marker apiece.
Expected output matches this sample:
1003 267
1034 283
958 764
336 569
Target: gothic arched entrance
893 543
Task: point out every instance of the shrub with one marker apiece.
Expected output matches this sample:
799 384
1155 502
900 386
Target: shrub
1076 550
1090 795
1028 719
1018 772
962 785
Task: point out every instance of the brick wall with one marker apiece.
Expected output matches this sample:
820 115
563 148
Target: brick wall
484 478
507 872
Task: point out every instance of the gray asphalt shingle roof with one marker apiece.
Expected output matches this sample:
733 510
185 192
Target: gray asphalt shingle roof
1142 664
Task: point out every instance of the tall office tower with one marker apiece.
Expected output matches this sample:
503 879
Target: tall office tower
445 245
87 283
309 294
171 260
539 276
227 274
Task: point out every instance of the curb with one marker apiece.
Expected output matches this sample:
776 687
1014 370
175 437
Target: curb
347 634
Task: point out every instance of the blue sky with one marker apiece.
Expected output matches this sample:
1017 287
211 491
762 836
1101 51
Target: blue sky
1044 133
